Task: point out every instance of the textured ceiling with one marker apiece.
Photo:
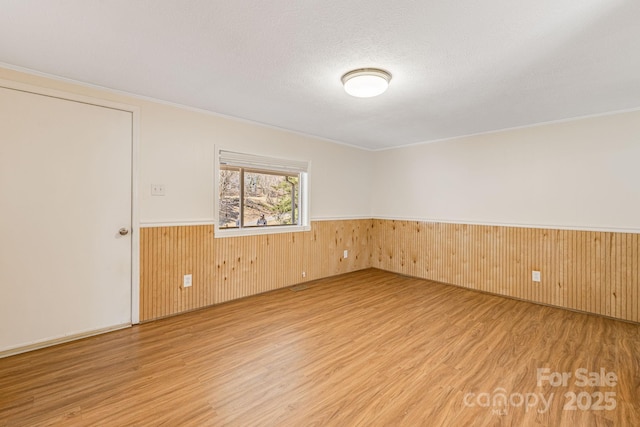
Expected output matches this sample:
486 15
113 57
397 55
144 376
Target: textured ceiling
459 67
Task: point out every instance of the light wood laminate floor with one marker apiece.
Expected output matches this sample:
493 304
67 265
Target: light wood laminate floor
366 348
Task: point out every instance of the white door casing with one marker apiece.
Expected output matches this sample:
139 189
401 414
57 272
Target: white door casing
66 183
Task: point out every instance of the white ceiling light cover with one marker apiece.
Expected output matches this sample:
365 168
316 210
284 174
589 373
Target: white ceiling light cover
366 82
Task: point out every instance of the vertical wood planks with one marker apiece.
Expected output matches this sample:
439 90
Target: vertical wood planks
235 267
591 271
166 255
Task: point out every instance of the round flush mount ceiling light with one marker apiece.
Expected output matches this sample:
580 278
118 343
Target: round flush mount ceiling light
366 82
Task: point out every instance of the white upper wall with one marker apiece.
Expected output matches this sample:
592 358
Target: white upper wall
177 147
580 174
583 174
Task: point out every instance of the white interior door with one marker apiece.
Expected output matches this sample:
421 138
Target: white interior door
65 191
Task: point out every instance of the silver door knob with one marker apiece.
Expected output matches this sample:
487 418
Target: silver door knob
123 231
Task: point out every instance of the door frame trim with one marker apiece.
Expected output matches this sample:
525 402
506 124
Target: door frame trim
135 170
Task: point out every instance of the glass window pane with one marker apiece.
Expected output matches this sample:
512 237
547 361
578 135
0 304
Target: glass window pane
270 199
229 214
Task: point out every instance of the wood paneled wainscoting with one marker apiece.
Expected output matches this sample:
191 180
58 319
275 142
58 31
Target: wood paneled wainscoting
590 271
235 267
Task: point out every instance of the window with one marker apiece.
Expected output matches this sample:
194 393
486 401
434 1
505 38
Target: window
260 194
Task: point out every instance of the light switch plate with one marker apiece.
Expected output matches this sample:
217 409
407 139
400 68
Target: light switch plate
157 189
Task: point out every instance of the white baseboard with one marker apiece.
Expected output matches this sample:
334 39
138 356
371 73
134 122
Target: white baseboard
60 340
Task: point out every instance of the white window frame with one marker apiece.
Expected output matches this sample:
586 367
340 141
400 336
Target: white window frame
263 163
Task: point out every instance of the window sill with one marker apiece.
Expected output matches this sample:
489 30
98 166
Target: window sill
256 231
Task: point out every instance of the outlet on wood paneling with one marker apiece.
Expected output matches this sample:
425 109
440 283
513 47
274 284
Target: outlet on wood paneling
590 271
166 255
235 267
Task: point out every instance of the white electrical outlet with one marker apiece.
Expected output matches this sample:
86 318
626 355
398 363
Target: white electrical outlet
186 281
157 189
304 274
346 254
535 276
